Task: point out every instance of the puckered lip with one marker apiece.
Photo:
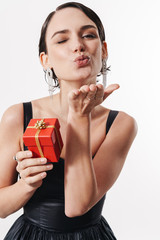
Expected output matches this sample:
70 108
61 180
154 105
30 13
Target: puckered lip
82 57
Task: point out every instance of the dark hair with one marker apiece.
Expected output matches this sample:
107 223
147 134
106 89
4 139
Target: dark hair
87 11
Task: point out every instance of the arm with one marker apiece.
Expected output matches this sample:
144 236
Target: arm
10 131
15 194
80 180
86 181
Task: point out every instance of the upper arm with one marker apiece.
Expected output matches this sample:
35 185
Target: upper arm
11 130
110 157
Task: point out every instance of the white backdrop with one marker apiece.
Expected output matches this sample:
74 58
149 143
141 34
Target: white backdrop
132 207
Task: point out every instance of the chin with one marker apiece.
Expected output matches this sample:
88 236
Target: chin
83 77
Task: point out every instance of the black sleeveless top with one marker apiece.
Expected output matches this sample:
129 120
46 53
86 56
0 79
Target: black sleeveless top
44 212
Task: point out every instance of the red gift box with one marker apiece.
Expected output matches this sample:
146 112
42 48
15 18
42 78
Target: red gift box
43 138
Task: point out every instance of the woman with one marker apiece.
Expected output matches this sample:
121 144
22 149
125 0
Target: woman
64 200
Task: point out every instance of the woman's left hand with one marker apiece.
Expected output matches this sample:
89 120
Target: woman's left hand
83 100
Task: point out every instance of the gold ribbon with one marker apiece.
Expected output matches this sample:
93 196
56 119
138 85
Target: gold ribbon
39 125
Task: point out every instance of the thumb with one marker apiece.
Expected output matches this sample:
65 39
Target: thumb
111 88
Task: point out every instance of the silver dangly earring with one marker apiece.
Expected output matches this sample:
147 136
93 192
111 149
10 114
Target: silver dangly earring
52 83
104 72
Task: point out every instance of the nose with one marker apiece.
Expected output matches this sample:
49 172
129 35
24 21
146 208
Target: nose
78 46
79 49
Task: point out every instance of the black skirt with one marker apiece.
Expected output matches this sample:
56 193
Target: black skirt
24 229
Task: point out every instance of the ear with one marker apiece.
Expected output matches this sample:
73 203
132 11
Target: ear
44 60
104 50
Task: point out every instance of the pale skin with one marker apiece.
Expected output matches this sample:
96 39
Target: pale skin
77 104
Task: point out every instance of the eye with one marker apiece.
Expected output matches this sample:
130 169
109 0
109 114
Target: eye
62 41
89 36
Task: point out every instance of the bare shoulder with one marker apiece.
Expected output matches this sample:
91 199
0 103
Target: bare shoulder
126 123
11 125
122 133
121 122
13 116
42 106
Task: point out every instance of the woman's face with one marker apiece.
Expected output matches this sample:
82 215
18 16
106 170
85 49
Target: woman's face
73 45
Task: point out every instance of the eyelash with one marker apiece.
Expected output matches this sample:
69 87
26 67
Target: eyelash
92 36
61 41
89 36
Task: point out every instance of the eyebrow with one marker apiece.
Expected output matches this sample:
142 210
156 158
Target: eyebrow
85 27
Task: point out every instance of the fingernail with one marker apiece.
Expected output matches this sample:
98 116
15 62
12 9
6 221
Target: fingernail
44 174
43 159
49 166
29 154
117 86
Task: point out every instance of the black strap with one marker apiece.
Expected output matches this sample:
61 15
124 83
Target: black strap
111 117
27 109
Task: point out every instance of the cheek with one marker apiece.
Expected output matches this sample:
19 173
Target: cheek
99 52
97 58
58 62
56 55
96 50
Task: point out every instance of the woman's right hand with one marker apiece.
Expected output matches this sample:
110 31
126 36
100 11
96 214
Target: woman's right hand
32 170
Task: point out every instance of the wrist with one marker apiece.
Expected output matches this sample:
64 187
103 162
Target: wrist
27 188
78 115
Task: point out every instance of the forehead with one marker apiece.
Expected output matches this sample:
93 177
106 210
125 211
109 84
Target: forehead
68 18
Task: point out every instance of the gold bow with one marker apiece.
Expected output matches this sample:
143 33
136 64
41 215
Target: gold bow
40 124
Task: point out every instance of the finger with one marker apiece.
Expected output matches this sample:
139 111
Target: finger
93 87
35 179
92 92
31 171
100 92
32 162
23 154
111 88
84 91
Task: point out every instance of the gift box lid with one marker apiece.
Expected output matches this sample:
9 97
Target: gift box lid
46 130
